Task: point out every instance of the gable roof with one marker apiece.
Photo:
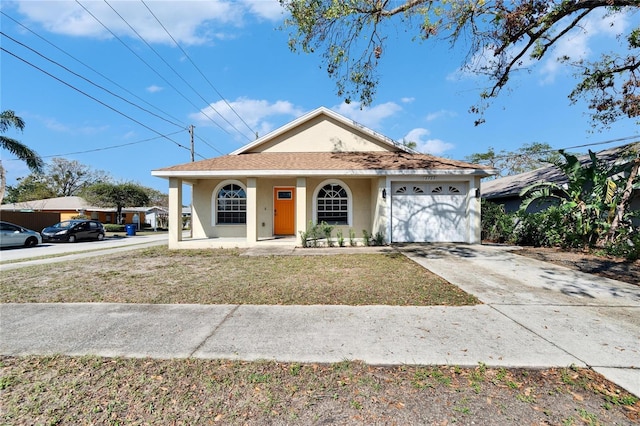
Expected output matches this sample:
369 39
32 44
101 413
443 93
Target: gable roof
510 186
327 113
377 155
322 163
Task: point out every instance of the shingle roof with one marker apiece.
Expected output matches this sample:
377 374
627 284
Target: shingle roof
510 186
318 161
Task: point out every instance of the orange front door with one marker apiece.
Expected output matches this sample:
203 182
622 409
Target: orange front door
284 211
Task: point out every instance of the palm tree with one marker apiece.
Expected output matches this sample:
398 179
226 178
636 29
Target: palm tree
9 119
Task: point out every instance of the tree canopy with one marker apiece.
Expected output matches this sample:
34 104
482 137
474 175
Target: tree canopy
503 37
116 195
526 158
60 178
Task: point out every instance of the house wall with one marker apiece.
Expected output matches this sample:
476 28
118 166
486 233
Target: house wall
361 204
265 203
203 215
379 207
322 135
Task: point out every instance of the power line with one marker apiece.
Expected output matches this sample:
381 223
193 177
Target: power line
91 68
176 73
209 145
197 68
547 151
88 81
150 67
95 99
105 148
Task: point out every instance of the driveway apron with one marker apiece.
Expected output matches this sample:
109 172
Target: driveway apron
594 319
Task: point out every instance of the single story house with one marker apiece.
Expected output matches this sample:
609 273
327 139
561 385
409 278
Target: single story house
506 190
325 167
73 206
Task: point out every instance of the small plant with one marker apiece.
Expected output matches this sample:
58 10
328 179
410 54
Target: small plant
340 237
529 399
378 239
304 238
325 230
589 418
352 237
366 237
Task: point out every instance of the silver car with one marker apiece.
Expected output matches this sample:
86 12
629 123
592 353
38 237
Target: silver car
13 235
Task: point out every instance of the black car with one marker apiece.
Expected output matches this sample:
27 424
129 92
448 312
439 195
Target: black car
74 230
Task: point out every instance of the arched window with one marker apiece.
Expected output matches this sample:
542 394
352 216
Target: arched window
332 204
231 205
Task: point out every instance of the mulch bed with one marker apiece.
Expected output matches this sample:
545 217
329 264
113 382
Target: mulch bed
609 267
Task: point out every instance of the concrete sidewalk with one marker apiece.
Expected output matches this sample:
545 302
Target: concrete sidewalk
535 315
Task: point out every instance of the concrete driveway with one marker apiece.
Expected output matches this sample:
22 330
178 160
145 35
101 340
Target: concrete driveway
534 315
595 319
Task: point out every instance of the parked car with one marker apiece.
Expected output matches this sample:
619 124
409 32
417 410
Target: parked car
74 230
13 235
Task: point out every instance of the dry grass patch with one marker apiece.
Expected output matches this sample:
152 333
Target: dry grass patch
158 275
106 391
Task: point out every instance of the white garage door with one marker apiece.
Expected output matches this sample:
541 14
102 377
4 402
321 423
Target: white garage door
429 212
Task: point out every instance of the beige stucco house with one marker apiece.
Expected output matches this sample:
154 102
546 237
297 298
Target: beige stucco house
325 167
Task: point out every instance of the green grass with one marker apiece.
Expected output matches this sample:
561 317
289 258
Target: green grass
158 275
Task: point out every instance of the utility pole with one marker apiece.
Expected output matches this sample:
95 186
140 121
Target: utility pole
193 158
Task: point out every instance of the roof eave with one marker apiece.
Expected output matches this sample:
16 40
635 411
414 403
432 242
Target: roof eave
199 174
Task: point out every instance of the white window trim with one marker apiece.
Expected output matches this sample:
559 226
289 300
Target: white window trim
214 202
314 212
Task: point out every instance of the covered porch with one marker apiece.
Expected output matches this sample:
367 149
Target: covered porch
364 208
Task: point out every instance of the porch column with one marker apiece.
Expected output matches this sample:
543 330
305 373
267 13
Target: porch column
252 211
301 207
175 212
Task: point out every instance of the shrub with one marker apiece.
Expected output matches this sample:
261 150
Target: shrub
325 229
352 237
366 237
626 244
113 227
548 228
497 225
316 232
340 236
378 239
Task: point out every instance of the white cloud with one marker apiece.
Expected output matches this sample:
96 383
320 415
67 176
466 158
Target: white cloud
578 44
368 116
54 125
594 34
407 100
192 23
429 146
440 114
266 9
254 112
154 89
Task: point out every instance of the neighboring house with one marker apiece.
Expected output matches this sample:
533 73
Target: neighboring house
325 167
506 190
157 217
71 207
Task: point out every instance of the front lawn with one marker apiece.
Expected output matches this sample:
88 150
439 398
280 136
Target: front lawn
158 275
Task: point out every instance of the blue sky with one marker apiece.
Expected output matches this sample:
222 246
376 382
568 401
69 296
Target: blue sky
242 60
